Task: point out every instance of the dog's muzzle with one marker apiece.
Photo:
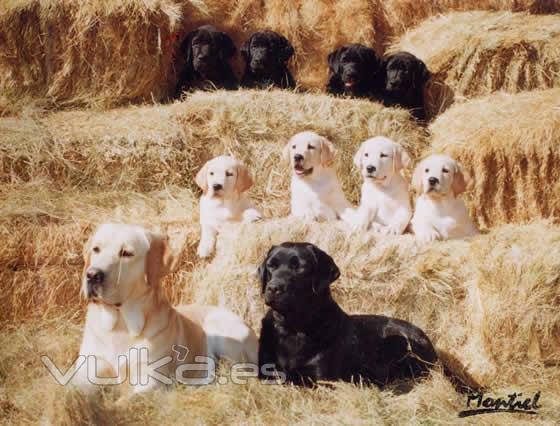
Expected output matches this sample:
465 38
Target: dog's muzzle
95 278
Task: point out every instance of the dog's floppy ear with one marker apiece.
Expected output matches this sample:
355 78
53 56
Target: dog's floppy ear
86 254
334 59
358 156
286 50
227 48
401 159
417 178
326 271
371 60
160 259
460 181
246 49
262 271
244 180
201 178
327 152
186 48
421 75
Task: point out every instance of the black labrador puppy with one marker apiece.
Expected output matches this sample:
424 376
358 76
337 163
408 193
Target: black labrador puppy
307 337
353 71
207 52
404 77
266 54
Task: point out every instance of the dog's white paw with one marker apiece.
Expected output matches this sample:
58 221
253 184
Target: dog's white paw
251 216
427 235
205 250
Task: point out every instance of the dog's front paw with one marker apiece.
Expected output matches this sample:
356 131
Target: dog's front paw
205 250
427 235
251 216
391 230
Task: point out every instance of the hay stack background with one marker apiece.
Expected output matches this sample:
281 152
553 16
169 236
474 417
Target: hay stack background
491 304
95 53
405 14
103 53
149 148
477 53
510 145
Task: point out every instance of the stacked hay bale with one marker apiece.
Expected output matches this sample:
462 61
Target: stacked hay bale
458 291
71 170
510 146
405 14
477 53
95 53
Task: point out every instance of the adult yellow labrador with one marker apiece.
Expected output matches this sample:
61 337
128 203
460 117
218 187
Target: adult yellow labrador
131 329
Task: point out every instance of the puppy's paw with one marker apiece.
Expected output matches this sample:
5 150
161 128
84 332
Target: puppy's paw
205 250
427 235
392 230
251 216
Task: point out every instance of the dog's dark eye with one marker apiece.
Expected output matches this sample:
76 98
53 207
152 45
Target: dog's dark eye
427 170
125 253
444 170
229 174
293 147
211 173
383 155
96 249
272 264
310 147
366 155
294 262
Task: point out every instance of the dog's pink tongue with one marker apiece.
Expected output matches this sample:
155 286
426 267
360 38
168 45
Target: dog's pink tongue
349 83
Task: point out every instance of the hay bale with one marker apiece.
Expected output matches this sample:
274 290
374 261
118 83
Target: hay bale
67 52
458 291
148 148
102 53
403 15
314 27
510 145
477 53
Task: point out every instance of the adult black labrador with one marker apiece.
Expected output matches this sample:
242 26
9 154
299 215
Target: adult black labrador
307 337
354 71
207 53
266 54
404 77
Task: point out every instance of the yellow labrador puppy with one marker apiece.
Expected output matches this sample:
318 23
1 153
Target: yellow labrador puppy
439 213
131 328
224 181
385 205
316 191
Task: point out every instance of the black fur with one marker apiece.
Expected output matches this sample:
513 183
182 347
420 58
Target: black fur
308 337
404 77
266 54
354 71
207 52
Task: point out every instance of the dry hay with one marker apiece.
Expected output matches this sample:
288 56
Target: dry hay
314 27
477 53
492 303
60 53
67 52
147 148
510 145
403 15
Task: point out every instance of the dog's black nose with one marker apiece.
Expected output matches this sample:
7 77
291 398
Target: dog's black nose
274 288
370 169
95 276
298 157
433 181
217 187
